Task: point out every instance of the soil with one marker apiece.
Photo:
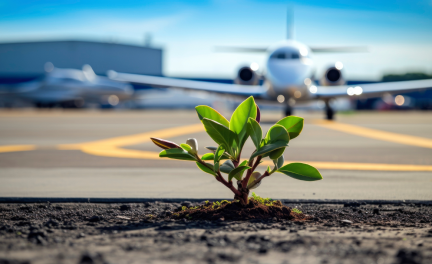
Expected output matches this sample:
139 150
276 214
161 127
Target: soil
234 211
160 232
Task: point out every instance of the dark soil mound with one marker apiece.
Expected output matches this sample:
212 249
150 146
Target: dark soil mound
235 211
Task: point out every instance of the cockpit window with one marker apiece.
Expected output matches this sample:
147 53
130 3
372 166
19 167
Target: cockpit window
285 55
295 55
278 55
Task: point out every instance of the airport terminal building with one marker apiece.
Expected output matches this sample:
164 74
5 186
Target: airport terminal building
21 61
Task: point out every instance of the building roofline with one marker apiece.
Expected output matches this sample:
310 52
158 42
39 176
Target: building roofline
79 41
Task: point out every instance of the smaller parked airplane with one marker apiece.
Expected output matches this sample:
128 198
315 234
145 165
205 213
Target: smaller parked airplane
70 88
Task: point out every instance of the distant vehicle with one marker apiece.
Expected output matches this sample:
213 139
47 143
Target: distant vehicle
69 88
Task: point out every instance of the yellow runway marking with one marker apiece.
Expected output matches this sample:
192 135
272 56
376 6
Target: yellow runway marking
15 148
377 134
360 166
111 147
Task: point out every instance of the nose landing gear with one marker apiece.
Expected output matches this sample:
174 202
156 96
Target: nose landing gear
288 110
329 110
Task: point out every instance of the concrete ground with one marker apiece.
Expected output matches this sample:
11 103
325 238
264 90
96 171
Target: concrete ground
57 153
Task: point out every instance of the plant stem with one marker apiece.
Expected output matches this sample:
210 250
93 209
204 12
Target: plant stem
250 171
221 179
266 173
227 184
237 161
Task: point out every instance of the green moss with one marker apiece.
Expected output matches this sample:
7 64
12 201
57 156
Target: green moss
264 201
297 211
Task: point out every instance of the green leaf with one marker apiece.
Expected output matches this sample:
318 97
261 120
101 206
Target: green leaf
216 167
293 124
268 169
255 132
240 117
244 163
276 133
205 111
208 156
276 154
301 171
237 173
227 167
212 149
279 162
225 155
185 147
218 154
221 135
176 153
206 169
269 148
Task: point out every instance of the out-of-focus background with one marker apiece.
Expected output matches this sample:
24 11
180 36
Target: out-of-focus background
378 148
178 39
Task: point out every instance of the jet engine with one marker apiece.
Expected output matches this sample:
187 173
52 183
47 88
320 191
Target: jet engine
332 77
247 76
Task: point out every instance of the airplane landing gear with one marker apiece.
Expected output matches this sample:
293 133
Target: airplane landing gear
329 110
288 110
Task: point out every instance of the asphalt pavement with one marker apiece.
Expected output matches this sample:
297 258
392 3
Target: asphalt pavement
89 153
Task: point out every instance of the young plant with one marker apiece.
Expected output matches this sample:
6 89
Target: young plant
230 137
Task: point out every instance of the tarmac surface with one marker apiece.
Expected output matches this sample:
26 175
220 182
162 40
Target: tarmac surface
57 153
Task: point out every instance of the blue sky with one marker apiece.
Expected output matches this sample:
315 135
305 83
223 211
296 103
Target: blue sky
398 33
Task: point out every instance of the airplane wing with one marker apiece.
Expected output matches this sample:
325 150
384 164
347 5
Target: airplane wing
222 88
338 49
371 89
314 49
241 49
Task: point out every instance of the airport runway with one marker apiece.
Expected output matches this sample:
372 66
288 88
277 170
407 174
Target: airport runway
57 153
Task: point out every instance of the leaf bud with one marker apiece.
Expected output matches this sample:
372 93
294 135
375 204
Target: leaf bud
165 144
193 143
258 116
251 183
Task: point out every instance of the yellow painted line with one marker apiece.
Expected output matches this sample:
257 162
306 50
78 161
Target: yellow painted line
15 148
377 134
359 166
111 147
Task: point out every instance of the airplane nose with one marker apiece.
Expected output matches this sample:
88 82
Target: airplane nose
285 76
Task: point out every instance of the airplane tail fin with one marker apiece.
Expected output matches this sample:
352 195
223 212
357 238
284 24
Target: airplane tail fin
88 72
290 23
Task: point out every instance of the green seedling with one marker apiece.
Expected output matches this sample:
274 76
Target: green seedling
230 137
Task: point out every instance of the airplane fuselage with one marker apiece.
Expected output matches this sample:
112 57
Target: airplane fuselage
289 71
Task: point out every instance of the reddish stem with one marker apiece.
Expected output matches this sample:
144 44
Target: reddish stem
227 184
250 171
266 173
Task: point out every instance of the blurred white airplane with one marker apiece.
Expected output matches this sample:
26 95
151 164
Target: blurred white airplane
69 88
288 78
